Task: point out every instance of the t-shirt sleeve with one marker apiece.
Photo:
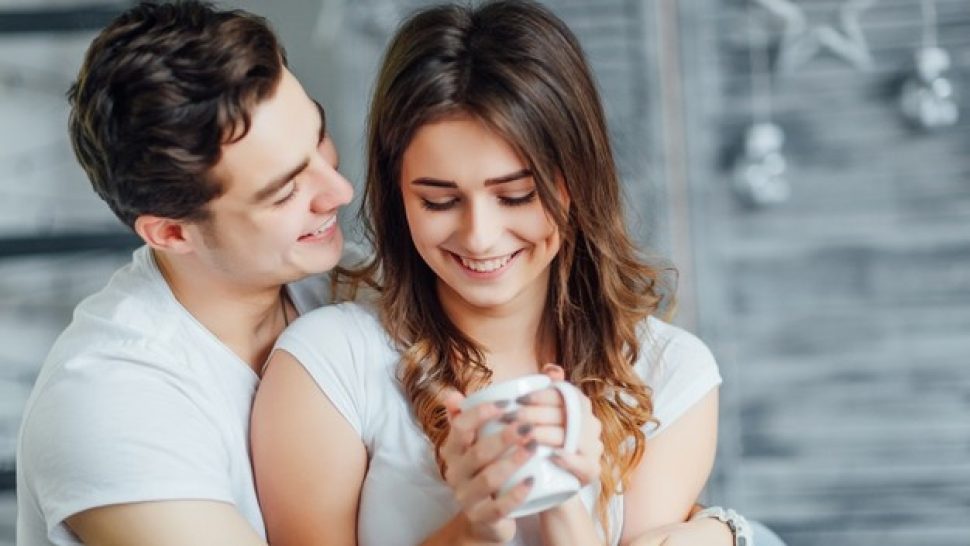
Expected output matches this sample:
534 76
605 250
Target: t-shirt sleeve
113 430
680 370
325 342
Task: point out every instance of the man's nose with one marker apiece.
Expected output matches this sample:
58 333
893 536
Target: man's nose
332 190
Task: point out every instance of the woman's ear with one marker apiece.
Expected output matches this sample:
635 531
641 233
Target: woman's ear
163 233
564 197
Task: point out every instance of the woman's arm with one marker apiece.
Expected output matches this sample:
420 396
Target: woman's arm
670 477
309 462
705 531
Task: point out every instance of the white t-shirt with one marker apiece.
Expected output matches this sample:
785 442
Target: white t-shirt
137 401
403 499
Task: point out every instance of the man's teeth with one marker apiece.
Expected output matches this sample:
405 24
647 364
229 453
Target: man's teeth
326 225
485 266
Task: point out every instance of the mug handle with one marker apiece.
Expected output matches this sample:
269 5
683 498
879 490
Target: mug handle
574 417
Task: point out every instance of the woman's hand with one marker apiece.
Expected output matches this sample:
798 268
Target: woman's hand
545 411
476 467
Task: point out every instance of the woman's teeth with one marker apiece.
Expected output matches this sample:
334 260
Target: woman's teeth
485 266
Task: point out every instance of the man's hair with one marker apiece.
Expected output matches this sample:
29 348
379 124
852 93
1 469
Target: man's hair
161 89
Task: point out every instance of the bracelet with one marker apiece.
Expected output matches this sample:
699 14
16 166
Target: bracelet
736 523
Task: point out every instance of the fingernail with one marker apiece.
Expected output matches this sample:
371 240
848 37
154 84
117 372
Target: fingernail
551 366
501 403
531 445
524 429
524 399
529 481
509 417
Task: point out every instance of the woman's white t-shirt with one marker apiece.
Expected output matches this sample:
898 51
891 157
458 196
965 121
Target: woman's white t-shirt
403 499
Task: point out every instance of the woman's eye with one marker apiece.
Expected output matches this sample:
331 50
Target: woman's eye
518 200
438 205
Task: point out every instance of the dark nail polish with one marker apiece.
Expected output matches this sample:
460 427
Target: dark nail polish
524 399
529 481
524 429
501 403
531 445
509 417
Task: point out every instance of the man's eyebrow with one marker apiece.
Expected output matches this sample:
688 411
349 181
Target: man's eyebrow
438 183
277 183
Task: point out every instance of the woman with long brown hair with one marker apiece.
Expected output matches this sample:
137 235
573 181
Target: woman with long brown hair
494 209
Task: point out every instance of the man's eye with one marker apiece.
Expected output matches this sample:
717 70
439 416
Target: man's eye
289 195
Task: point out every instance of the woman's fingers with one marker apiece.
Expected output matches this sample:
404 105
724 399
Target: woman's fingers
487 450
545 397
487 484
583 467
556 373
491 510
464 428
541 415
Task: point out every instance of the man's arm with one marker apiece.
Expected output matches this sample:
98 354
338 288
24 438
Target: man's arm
164 523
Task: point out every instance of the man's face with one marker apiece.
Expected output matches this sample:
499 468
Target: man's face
277 220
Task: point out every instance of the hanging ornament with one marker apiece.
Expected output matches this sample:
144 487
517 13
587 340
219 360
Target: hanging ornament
801 40
758 175
927 99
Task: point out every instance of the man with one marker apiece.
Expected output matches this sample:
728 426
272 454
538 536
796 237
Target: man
191 128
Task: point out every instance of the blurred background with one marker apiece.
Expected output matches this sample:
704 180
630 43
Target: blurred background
804 163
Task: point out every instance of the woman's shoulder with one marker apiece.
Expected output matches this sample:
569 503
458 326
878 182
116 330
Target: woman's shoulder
677 366
666 348
336 320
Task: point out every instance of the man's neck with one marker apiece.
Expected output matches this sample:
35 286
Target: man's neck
245 318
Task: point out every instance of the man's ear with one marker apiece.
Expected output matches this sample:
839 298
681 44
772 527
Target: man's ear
164 233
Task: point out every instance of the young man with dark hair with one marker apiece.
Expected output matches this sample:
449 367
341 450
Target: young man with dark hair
191 128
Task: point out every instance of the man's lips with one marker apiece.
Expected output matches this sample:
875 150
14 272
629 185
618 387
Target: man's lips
322 229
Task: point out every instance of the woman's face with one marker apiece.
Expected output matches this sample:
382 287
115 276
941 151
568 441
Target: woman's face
475 217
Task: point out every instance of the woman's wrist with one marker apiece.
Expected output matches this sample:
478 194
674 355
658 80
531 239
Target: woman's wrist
736 524
459 531
569 523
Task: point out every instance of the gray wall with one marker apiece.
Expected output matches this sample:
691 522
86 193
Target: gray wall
839 318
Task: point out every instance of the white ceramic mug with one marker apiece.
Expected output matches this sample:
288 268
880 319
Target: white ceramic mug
552 484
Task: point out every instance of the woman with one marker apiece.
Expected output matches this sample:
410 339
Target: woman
493 205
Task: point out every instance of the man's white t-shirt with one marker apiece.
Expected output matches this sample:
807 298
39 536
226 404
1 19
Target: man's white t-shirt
403 499
137 401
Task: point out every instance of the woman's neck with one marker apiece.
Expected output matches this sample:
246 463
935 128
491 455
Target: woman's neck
516 337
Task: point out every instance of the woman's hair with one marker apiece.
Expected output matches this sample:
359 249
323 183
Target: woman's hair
161 89
518 69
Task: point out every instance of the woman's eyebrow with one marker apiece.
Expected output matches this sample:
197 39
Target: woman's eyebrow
439 183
